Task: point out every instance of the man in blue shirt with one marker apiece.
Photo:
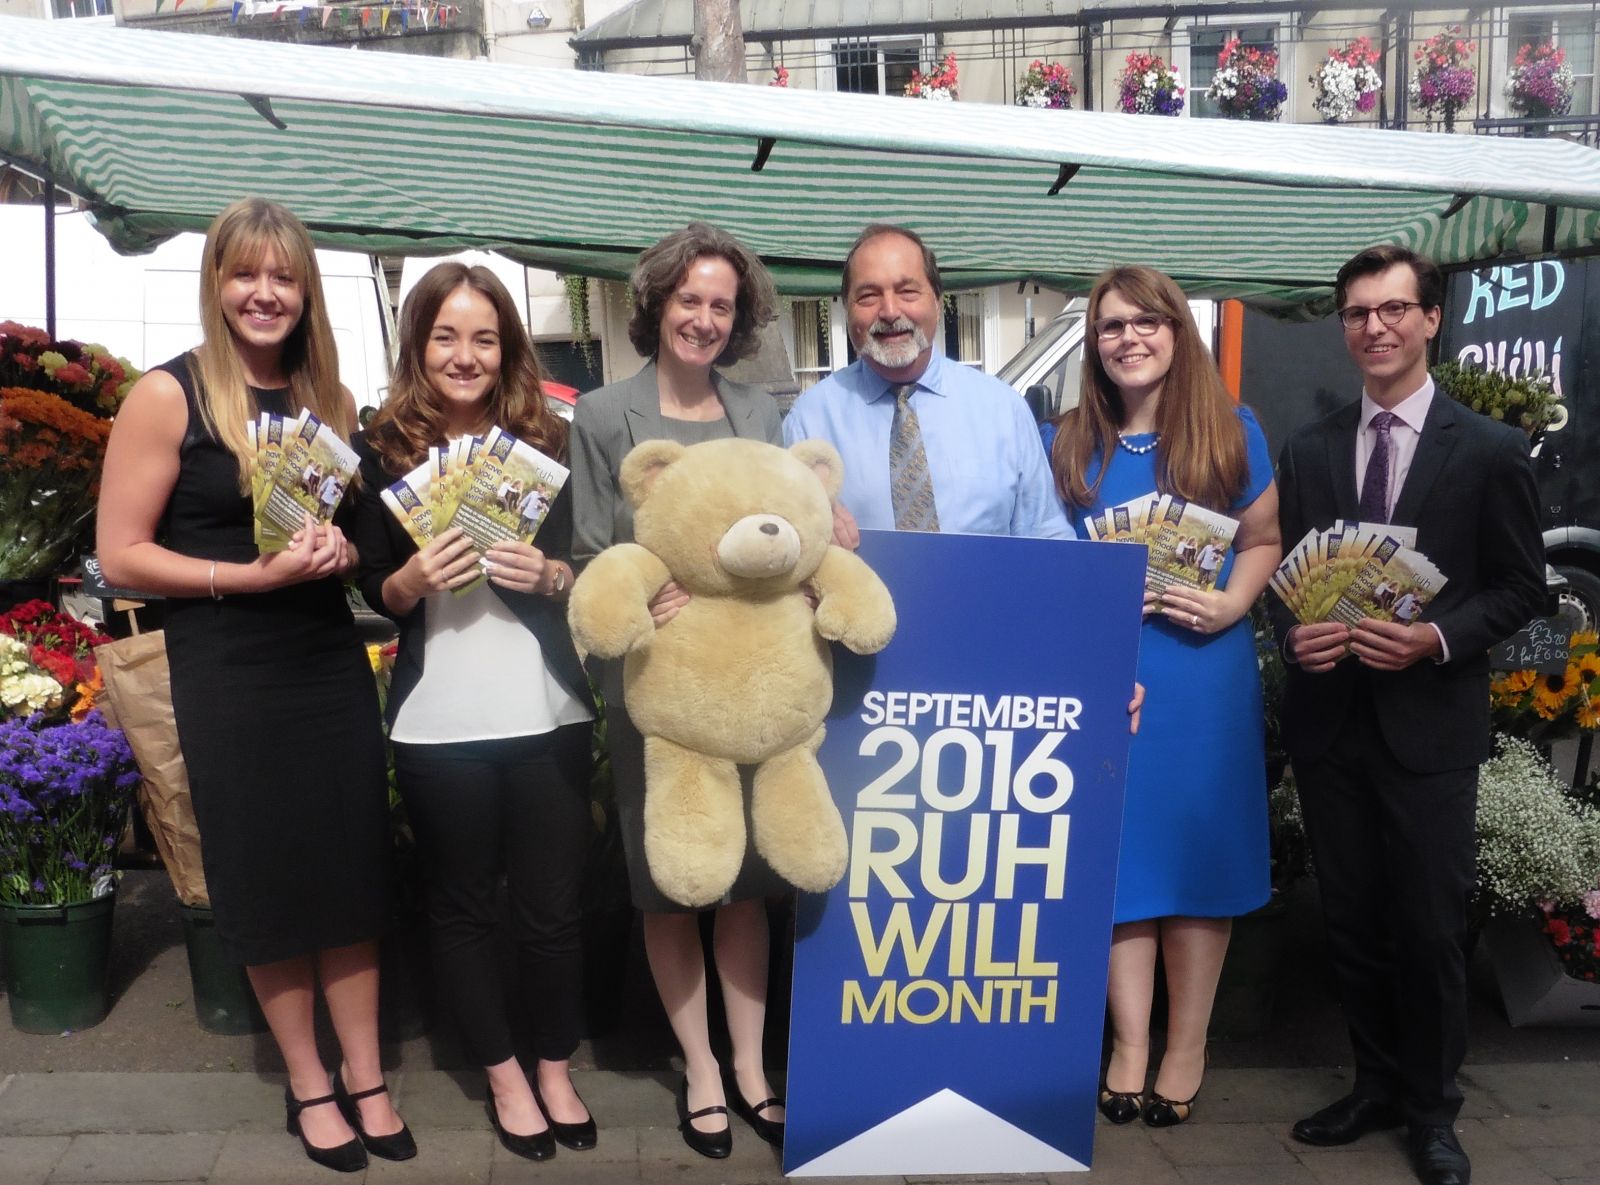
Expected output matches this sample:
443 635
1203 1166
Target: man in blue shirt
988 470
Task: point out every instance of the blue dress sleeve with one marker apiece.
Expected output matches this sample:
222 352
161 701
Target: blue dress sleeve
1047 434
1260 460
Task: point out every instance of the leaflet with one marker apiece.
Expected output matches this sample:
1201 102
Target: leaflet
1354 570
411 501
1188 546
311 477
510 488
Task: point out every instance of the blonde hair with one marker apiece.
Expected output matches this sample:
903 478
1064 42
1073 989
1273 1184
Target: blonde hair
242 235
1201 453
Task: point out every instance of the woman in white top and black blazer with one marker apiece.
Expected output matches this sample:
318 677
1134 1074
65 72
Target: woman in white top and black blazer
490 712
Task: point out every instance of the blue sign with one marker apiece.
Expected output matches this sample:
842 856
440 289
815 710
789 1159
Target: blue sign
949 993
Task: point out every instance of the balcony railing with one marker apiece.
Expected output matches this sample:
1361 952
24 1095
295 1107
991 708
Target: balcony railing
1585 129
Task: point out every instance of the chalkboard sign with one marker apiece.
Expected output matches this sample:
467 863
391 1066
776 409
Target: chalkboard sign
94 585
1542 646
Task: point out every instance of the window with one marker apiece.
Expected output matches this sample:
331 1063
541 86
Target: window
71 8
811 346
1575 34
869 67
1205 43
963 327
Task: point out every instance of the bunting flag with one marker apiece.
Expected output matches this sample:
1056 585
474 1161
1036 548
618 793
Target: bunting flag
159 3
326 13
304 12
238 5
383 20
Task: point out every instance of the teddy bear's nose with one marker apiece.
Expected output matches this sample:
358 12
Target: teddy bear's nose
769 528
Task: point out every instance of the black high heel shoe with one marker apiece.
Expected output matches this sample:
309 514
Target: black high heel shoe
349 1157
1161 1111
580 1137
539 1146
400 1145
716 1145
1121 1106
770 1130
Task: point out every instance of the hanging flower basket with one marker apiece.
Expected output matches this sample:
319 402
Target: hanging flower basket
1150 87
1046 84
1540 83
1246 84
1444 80
1347 84
939 84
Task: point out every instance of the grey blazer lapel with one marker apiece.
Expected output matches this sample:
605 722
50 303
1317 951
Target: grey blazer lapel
1433 450
641 418
739 406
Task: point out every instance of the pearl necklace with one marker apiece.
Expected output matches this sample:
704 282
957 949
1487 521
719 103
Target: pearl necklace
1139 450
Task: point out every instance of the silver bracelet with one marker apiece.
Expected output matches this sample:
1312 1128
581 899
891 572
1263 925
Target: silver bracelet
212 581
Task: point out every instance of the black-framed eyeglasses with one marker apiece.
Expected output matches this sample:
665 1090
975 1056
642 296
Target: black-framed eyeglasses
1144 325
1390 312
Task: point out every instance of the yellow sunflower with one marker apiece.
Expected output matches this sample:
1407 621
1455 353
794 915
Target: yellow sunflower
1551 693
1516 682
1588 714
1588 666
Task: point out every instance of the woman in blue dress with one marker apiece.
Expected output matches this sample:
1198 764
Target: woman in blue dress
1155 416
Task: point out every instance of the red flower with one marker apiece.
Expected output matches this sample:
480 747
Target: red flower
1560 933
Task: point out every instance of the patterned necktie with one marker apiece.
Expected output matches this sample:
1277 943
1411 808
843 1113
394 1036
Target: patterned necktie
910 486
1375 485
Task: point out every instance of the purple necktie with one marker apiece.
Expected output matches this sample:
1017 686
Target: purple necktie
1375 485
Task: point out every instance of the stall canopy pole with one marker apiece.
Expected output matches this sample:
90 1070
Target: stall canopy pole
50 258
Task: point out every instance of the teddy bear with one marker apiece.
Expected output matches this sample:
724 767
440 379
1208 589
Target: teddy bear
743 674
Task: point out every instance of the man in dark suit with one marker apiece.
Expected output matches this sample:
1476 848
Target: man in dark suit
1387 722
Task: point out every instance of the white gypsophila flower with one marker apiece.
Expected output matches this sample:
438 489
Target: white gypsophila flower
1535 841
937 94
1035 98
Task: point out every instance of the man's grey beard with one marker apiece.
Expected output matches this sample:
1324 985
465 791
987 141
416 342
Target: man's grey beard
895 357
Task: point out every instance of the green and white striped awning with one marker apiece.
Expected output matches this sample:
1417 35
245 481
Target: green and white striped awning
578 171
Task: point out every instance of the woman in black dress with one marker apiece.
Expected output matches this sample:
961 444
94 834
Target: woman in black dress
276 709
489 712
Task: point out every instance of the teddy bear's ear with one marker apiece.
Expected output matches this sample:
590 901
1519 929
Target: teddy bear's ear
823 460
643 465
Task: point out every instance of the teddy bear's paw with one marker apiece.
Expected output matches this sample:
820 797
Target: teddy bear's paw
864 623
798 830
610 631
694 837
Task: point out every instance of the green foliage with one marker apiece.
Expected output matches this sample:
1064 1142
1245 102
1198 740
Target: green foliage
578 309
1524 401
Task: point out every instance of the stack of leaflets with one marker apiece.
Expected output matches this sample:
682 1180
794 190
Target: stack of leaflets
1187 542
494 487
1355 570
301 467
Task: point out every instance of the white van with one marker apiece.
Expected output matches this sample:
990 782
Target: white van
145 308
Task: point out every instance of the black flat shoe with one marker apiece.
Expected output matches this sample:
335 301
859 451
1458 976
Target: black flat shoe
349 1157
1121 1106
398 1146
1161 1111
716 1145
1346 1121
770 1130
580 1137
539 1146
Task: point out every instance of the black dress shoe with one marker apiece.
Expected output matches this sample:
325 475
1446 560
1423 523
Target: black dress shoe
770 1130
716 1145
1437 1156
1346 1120
1121 1106
539 1146
398 1146
349 1157
1161 1111
580 1137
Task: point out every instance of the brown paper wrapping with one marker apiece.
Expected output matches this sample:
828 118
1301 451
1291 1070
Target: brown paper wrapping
139 695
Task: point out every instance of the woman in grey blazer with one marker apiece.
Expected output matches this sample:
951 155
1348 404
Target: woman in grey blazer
700 297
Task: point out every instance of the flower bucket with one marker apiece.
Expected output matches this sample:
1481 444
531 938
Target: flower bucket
1534 986
223 1000
1247 989
56 958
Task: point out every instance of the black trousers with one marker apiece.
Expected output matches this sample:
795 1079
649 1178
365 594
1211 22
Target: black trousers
1395 853
520 807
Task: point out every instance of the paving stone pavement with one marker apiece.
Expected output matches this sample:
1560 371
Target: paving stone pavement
221 1128
147 1096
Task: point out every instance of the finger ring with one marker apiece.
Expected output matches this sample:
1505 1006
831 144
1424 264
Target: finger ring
1194 620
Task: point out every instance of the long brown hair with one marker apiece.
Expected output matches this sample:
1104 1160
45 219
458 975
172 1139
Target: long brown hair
240 236
1201 454
413 417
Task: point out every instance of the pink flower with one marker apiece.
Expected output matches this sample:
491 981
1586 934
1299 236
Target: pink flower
1591 904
